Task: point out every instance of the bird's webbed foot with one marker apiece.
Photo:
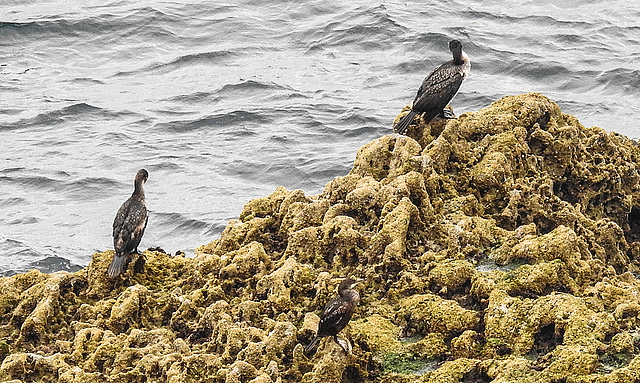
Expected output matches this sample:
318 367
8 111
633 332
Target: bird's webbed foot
344 344
447 113
138 266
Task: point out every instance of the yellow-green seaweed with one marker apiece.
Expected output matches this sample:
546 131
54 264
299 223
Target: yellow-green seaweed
501 246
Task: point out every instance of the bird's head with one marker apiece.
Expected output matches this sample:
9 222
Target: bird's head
141 176
455 45
348 283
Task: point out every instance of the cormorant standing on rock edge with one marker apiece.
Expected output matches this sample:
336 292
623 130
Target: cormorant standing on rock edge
129 225
337 313
438 88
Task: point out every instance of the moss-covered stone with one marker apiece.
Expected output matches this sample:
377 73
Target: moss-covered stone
501 246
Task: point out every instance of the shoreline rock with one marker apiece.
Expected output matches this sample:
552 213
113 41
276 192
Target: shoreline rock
501 246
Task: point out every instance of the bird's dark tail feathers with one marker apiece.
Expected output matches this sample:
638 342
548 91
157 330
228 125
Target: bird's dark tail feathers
310 346
118 265
402 125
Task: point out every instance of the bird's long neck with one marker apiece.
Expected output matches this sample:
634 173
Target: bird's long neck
138 190
350 294
458 57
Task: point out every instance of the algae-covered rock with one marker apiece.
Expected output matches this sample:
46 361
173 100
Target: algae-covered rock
430 313
501 246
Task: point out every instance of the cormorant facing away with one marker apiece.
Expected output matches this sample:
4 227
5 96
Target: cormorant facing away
129 225
438 88
337 313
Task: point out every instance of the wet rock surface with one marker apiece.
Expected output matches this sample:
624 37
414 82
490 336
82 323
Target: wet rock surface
502 246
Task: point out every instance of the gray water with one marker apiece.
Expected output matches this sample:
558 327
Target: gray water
222 103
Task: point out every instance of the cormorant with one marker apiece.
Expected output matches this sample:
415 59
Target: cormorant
337 313
129 225
438 88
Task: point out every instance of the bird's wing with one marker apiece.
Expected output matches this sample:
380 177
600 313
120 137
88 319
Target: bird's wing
138 220
121 217
437 89
425 84
333 314
129 225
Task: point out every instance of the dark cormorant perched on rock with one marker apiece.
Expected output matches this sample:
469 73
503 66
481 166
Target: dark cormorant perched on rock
438 88
337 313
129 225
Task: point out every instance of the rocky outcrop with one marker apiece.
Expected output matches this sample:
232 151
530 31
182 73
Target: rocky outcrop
502 246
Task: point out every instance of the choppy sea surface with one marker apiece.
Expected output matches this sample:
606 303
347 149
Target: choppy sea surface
224 102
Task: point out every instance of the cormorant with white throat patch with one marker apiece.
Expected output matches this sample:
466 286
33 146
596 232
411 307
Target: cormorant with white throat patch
337 313
128 226
438 88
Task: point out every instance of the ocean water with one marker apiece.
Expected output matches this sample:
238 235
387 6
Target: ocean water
224 102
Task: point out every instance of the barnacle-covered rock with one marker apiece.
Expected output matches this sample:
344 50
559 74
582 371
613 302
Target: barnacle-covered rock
502 246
